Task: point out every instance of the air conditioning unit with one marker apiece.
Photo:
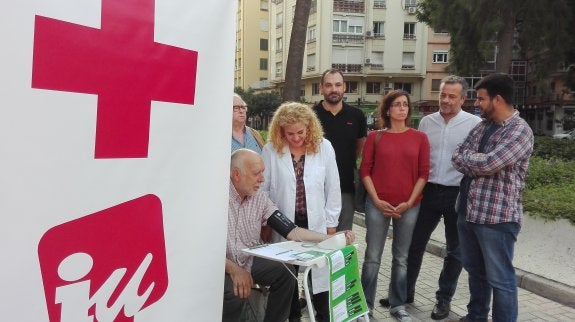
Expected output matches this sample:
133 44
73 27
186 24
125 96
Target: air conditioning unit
368 33
411 10
368 61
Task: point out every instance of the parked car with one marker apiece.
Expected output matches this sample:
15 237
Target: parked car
568 135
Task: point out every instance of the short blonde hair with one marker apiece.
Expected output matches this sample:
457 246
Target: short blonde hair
290 113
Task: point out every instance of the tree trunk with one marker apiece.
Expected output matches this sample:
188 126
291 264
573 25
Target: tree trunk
505 43
294 64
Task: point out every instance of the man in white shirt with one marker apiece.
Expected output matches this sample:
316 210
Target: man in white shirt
445 129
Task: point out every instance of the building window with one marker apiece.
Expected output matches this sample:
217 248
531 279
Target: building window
410 3
471 81
409 30
315 89
311 63
379 4
313 8
263 64
311 34
351 87
263 44
378 29
435 84
440 57
345 26
264 5
373 88
440 31
279 20
340 26
403 86
408 60
279 44
355 29
279 69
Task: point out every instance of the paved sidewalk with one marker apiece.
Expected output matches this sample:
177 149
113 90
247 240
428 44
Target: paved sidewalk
532 307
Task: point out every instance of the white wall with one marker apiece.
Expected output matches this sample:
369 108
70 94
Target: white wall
58 199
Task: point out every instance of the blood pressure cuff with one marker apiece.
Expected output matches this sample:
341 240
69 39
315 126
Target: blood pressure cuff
281 223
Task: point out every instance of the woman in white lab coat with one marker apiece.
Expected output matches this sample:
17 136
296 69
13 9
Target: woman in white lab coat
301 177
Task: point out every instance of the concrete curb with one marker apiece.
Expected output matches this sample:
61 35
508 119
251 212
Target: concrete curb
555 291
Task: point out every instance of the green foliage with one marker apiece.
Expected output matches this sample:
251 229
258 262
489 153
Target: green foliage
264 134
549 148
549 172
262 104
551 202
476 27
550 188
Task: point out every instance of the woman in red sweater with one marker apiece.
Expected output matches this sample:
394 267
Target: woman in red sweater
394 170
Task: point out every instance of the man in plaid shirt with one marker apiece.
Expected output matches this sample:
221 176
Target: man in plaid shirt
494 159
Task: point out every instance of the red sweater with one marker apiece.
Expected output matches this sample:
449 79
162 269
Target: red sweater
399 161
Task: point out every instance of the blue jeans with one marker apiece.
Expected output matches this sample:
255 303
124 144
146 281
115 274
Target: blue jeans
377 225
438 201
487 255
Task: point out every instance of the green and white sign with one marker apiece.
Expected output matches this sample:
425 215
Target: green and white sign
347 301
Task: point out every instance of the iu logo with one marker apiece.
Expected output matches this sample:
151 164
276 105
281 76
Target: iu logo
106 266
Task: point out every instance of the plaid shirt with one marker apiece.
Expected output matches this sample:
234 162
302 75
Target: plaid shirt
495 194
245 220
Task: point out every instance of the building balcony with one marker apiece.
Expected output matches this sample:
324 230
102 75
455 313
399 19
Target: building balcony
376 66
407 66
551 98
379 4
348 39
348 68
409 36
310 69
348 6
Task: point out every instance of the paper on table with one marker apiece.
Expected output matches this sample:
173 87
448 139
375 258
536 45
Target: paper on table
275 252
336 241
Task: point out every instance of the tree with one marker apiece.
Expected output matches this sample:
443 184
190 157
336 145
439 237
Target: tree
540 31
292 88
261 106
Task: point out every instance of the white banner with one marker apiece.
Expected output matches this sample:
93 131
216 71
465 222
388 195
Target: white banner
115 136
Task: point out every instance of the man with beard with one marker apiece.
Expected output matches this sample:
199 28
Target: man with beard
345 127
493 158
445 129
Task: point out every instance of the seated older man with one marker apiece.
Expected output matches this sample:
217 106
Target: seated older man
249 210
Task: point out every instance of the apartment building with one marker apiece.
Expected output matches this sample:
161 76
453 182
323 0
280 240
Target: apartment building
379 45
252 45
552 112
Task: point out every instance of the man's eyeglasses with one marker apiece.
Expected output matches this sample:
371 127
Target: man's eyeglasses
238 108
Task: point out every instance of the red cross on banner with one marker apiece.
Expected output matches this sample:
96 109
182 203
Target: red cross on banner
121 64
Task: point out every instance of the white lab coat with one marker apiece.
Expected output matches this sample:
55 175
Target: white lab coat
322 192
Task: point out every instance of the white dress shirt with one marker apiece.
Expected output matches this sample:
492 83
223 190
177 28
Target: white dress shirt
443 139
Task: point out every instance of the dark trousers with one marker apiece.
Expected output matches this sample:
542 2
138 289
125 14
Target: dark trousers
264 272
438 201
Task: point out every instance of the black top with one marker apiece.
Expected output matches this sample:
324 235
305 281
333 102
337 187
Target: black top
343 130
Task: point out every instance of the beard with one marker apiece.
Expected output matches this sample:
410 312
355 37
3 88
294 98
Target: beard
333 98
486 112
